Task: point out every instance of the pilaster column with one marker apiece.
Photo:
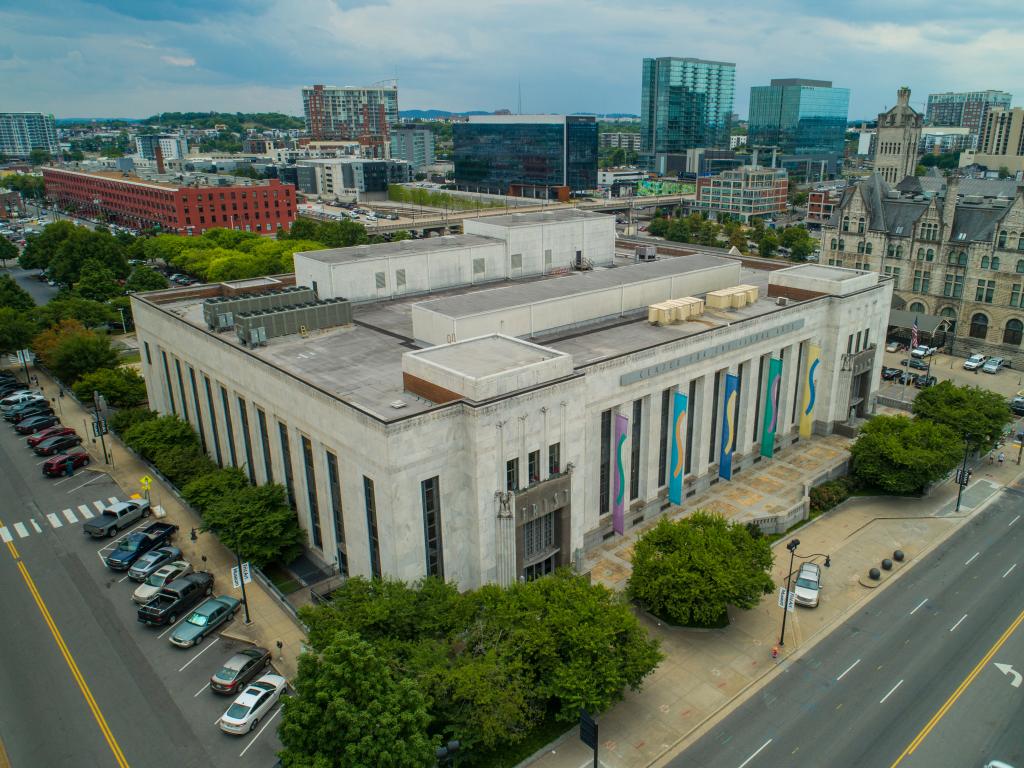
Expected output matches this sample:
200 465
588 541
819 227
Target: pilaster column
749 398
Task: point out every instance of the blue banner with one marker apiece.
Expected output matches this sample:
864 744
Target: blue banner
732 385
675 477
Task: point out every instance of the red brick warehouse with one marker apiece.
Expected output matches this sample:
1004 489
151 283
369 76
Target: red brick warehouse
262 206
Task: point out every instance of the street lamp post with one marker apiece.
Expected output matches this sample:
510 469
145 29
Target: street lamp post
961 481
789 576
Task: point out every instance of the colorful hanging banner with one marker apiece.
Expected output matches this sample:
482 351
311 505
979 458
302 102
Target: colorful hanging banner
619 487
770 418
810 390
675 477
732 385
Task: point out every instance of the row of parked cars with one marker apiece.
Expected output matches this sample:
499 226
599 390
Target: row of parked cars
31 415
900 376
168 589
985 363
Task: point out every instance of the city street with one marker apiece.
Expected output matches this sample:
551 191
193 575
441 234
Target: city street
911 679
82 683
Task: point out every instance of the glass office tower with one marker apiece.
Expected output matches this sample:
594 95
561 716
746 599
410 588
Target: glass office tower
802 117
532 155
685 103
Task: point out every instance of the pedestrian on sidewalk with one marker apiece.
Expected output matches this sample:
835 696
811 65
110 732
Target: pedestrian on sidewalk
1002 457
991 457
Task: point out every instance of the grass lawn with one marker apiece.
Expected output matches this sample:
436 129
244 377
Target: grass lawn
281 578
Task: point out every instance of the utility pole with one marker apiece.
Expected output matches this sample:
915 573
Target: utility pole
961 480
241 578
789 576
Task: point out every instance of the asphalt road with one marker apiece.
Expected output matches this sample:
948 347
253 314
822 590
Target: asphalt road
911 679
82 683
39 290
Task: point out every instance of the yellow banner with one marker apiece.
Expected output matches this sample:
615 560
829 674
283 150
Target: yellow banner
810 390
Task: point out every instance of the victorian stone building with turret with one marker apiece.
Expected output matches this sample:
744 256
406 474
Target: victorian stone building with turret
897 138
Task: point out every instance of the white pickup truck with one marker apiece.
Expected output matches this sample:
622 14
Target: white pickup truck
116 517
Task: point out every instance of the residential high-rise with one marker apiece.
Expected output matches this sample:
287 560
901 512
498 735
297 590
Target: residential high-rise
414 145
359 114
685 103
799 116
897 138
21 132
1001 144
171 147
964 109
527 155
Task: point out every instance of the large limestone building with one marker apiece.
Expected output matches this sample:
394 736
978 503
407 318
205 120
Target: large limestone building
897 139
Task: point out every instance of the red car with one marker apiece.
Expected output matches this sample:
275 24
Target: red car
58 429
58 465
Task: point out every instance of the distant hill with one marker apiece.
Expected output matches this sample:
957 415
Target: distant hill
80 120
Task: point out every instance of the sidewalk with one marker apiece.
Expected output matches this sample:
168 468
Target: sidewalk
707 673
270 622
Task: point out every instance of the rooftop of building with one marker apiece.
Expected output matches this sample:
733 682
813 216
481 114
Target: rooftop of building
502 119
486 355
361 364
553 216
171 181
399 248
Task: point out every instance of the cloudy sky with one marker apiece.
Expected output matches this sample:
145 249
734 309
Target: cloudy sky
134 58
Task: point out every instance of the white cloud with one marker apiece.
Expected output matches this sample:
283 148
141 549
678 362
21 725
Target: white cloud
179 61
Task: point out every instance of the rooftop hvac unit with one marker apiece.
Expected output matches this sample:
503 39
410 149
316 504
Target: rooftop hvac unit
646 253
225 320
257 336
782 301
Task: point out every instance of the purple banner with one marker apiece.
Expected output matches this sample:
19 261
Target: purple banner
619 486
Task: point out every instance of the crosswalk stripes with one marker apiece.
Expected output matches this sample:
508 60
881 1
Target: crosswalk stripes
54 520
36 526
100 506
69 516
21 529
112 500
5 535
85 511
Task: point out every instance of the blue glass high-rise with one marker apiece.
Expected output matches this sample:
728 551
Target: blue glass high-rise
802 117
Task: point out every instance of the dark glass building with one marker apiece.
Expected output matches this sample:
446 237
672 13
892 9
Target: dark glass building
528 155
800 117
684 104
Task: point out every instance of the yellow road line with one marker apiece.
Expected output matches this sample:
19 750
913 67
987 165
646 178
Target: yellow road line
75 672
960 689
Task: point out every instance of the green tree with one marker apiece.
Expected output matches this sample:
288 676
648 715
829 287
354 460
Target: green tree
76 155
8 250
902 455
767 243
96 282
202 492
84 248
16 330
799 242
688 571
966 411
40 249
83 353
351 710
402 234
257 524
13 295
145 279
122 387
38 156
68 307
1004 172
125 418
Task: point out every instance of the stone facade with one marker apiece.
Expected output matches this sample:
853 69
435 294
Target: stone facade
897 138
955 256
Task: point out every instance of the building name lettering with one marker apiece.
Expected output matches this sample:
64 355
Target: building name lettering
722 348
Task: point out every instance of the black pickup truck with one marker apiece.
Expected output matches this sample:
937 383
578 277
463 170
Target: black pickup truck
137 543
176 599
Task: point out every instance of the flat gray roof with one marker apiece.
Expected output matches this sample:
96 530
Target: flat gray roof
468 304
486 355
400 248
541 217
823 272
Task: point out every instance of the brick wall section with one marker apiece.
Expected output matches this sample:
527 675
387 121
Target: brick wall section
428 390
794 294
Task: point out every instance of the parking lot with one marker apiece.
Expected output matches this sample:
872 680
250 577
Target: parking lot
154 696
1006 382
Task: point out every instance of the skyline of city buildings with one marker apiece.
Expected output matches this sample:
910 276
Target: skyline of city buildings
21 132
799 116
964 109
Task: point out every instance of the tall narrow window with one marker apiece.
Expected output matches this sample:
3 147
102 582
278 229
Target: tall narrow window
757 397
666 405
554 458
286 462
799 383
431 496
268 465
243 414
688 460
512 475
149 358
226 409
213 421
311 495
634 450
167 379
712 455
199 411
533 466
371 526
181 390
605 465
337 512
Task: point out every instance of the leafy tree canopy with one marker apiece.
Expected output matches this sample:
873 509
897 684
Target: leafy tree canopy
68 307
96 282
688 571
966 410
143 278
902 455
8 250
256 523
81 353
13 295
16 330
235 121
28 185
121 387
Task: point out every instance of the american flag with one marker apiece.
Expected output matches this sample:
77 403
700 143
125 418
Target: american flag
913 334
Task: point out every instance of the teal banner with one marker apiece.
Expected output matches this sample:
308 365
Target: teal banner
771 407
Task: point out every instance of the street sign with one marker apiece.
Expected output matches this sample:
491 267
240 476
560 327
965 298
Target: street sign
963 477
99 427
146 481
588 729
246 573
782 599
236 579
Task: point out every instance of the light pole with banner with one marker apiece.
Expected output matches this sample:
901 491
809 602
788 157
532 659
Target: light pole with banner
789 576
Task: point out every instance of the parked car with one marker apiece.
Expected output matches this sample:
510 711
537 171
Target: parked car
146 565
204 619
19 398
137 543
993 365
37 423
252 704
159 579
1017 405
974 362
59 444
117 516
889 374
27 410
808 584
914 362
922 351
239 669
57 465
924 381
176 598
55 431
893 346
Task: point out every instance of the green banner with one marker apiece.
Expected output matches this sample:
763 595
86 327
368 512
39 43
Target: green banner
771 407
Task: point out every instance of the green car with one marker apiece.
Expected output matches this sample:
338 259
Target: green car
207 616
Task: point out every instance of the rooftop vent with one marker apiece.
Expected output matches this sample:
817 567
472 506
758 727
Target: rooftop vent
397 404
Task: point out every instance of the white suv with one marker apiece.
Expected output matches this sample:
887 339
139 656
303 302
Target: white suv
974 362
